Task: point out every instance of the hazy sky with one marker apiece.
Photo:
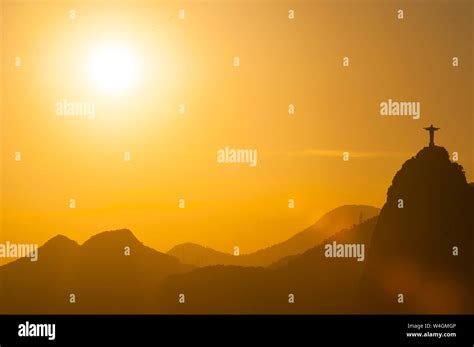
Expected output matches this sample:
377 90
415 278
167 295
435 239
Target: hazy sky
190 61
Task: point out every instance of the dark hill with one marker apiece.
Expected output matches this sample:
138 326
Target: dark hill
320 284
412 247
99 273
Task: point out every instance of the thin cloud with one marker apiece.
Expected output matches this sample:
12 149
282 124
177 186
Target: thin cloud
333 153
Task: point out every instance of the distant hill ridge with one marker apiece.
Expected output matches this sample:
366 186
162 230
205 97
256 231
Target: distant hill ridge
103 279
332 222
319 284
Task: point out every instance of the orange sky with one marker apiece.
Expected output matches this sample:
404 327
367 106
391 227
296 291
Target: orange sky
190 62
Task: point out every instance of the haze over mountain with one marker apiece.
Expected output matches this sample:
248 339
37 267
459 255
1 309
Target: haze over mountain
329 224
410 252
104 280
319 284
421 245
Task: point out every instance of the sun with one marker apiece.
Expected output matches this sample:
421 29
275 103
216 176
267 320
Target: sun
114 68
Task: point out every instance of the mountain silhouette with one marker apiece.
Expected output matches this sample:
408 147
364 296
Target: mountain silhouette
29 287
421 245
329 224
98 272
200 256
104 280
412 251
319 284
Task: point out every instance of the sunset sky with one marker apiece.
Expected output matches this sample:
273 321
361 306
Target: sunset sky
163 61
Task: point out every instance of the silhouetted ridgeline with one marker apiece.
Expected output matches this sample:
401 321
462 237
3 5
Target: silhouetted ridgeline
411 253
340 218
102 278
319 284
418 257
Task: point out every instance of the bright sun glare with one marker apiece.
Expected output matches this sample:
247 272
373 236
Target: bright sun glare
114 68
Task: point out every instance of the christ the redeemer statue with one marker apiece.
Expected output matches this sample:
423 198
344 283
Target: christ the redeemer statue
432 130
